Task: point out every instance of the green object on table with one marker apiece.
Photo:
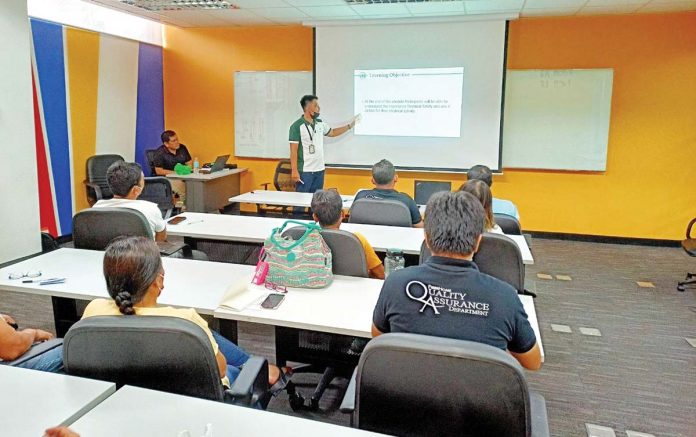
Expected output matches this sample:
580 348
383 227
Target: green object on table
182 169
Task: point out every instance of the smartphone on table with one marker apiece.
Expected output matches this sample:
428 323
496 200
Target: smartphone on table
176 220
272 301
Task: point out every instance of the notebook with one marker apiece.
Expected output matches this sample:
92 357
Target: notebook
241 294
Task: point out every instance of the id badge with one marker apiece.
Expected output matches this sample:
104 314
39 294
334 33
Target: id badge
311 149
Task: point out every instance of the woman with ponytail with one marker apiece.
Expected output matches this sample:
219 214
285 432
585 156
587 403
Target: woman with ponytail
135 279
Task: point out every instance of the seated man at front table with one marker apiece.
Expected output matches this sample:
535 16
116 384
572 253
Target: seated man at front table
169 154
16 342
384 178
126 181
327 209
448 296
500 206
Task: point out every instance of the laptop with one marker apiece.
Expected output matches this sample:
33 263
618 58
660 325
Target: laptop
218 165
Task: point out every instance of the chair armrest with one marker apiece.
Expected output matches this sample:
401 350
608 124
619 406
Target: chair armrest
540 419
688 229
251 385
95 187
35 351
348 404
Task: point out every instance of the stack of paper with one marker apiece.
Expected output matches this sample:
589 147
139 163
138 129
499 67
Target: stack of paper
241 294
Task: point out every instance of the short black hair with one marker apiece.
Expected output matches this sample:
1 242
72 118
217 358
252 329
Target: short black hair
167 135
122 176
453 222
327 205
482 173
305 100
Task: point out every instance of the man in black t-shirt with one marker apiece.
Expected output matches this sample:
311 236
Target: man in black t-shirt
384 178
448 296
169 154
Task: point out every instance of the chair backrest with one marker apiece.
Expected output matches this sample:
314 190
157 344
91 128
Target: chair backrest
348 256
150 159
282 179
417 385
498 256
96 172
509 224
158 190
380 212
160 353
94 228
423 190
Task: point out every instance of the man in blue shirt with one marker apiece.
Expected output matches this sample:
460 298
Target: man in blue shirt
500 206
384 178
448 296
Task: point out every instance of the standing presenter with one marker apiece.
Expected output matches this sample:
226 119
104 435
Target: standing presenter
307 146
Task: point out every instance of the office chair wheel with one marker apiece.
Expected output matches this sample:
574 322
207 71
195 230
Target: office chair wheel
681 288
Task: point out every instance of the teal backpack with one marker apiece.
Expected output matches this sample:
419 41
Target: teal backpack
305 263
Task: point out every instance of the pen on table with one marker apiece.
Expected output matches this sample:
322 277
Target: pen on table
48 281
193 223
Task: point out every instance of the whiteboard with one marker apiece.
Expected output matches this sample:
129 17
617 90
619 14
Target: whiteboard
557 119
266 103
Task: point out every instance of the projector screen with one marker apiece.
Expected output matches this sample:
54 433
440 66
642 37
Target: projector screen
429 94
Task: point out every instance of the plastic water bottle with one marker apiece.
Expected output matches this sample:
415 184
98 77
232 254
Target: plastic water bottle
196 165
394 261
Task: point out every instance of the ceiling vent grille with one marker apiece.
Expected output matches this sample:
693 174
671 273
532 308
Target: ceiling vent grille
179 5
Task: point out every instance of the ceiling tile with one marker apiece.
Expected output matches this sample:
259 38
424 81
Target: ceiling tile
241 17
394 9
492 6
247 4
325 12
670 6
603 10
554 4
316 2
436 7
194 18
548 12
281 14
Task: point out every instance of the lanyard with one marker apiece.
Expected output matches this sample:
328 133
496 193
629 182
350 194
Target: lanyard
309 131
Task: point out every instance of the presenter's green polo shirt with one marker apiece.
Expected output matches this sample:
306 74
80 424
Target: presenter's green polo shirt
310 152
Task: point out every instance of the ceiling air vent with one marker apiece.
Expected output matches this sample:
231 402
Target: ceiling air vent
179 5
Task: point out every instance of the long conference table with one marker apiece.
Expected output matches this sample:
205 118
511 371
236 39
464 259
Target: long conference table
249 229
345 307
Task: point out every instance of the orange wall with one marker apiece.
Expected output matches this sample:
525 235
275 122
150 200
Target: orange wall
648 190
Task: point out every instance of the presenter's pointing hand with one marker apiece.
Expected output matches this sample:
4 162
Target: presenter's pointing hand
356 120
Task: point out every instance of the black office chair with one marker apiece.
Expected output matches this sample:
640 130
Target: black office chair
689 245
328 354
95 228
158 190
150 159
423 190
95 185
380 212
282 181
417 385
160 353
509 224
35 351
497 256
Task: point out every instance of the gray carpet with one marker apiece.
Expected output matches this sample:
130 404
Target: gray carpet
639 375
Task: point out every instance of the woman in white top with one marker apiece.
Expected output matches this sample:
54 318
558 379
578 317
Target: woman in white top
482 192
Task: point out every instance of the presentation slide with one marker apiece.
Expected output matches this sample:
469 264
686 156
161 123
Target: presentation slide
429 94
417 102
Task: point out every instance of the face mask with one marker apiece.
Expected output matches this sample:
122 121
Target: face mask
315 115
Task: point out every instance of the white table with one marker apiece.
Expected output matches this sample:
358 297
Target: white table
208 192
188 283
31 401
248 229
343 308
136 412
283 198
